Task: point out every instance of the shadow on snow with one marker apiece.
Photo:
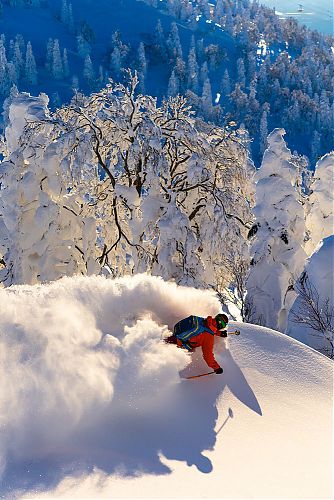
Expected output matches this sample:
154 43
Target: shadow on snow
175 420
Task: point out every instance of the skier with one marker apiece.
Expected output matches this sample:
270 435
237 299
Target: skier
194 332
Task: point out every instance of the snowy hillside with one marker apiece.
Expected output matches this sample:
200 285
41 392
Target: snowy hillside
235 58
95 405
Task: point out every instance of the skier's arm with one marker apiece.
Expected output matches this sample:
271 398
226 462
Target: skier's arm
207 350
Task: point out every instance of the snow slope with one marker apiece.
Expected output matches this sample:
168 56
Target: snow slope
92 405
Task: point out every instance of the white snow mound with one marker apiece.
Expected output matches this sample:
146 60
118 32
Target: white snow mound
94 405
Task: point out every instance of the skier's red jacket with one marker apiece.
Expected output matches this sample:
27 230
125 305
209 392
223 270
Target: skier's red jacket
206 341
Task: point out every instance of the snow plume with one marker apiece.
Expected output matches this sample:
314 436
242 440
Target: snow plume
74 349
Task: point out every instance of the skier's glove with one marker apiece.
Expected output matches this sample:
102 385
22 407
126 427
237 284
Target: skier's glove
223 333
219 370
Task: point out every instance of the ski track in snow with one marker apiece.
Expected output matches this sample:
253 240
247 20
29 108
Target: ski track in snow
94 405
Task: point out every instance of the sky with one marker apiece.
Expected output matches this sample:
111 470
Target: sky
95 405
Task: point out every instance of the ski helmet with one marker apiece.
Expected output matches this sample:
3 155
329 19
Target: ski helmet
222 321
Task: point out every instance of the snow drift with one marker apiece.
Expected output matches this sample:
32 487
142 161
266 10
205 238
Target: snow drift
93 405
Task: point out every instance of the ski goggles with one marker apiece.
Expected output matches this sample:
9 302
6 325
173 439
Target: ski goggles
221 324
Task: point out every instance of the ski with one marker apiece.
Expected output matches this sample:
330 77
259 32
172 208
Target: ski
197 376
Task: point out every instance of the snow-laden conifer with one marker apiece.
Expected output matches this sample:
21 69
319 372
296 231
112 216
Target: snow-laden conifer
160 40
173 42
64 12
49 55
278 235
226 83
18 59
142 63
12 74
66 64
192 71
88 71
30 66
263 131
173 85
320 217
241 74
83 47
57 64
44 233
3 69
311 318
207 99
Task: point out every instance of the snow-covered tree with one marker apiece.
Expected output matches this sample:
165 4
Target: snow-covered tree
55 100
83 46
229 24
142 63
186 10
18 59
159 183
66 64
311 318
11 49
101 75
66 15
219 11
263 131
44 232
181 73
116 61
160 41
192 71
57 64
207 98
251 65
173 85
64 12
75 83
49 55
12 74
3 69
30 66
200 49
278 234
239 101
320 217
204 73
315 146
70 22
174 7
241 74
226 83
173 42
88 71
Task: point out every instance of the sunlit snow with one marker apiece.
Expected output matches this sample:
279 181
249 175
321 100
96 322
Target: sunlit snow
95 405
